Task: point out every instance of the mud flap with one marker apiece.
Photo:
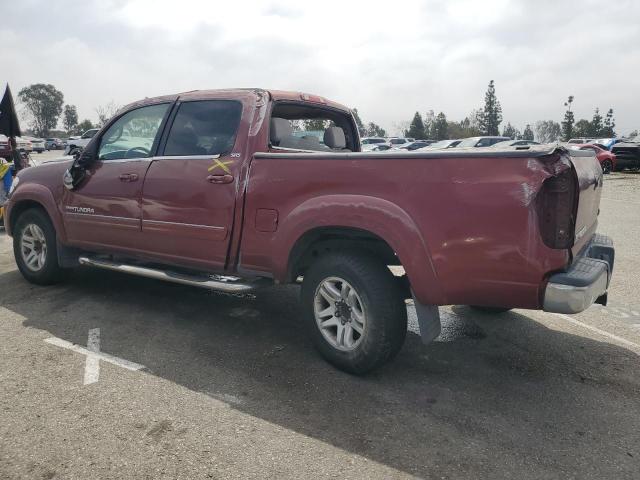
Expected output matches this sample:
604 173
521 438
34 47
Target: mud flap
428 320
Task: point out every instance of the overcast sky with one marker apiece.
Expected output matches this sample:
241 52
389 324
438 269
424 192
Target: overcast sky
386 58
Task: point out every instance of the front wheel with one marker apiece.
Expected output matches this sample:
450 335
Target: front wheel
607 167
354 310
35 248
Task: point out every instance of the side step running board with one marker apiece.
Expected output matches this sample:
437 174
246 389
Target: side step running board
212 282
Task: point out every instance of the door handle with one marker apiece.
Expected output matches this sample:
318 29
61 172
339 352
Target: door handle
128 177
220 178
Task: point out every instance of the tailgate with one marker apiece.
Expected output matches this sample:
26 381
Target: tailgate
589 175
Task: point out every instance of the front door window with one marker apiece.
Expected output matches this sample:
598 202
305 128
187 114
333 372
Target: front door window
133 134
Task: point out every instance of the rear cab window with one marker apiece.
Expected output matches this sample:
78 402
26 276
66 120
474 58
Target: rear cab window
305 127
204 127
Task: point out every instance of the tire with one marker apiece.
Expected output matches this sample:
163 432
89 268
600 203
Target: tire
32 231
607 167
372 295
494 310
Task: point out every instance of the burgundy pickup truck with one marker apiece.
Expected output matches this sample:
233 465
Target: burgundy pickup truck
234 189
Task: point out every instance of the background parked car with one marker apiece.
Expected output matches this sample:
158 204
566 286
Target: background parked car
24 144
608 143
37 144
605 157
627 154
381 147
481 141
514 143
5 148
417 144
581 141
78 143
53 144
371 140
399 142
442 144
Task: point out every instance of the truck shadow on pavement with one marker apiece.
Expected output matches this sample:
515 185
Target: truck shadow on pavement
501 385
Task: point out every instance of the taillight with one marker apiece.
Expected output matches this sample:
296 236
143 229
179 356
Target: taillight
557 210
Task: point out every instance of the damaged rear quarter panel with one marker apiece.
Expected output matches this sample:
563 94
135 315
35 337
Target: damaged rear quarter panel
475 216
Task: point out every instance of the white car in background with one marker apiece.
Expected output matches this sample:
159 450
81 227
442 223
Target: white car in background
24 144
514 143
371 143
399 142
37 144
441 145
75 144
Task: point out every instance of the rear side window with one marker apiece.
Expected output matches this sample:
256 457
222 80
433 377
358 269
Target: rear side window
204 127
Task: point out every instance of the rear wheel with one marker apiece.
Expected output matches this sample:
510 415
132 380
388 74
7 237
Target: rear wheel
607 167
35 248
354 310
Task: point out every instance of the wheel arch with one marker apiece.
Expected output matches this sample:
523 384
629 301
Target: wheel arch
343 221
33 196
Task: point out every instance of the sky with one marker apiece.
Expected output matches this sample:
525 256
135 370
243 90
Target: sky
387 59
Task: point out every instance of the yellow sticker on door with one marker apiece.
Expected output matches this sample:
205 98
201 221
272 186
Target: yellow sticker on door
223 165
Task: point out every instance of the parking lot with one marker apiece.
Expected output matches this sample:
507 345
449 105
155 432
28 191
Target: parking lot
114 376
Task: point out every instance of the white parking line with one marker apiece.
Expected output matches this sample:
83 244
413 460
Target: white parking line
92 363
623 341
94 355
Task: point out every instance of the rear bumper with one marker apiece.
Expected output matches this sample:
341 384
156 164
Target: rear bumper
586 282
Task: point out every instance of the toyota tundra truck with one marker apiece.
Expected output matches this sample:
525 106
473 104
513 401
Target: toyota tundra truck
226 190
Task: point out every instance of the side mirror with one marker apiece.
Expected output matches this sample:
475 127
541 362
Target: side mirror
74 175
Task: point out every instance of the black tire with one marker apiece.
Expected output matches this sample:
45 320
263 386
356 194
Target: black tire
607 167
494 310
383 305
49 272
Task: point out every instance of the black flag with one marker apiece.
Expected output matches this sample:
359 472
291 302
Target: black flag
9 125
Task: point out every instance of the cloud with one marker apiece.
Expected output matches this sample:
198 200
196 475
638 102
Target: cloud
388 59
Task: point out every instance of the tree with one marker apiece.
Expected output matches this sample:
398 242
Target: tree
491 115
634 133
69 118
83 126
609 125
105 112
359 124
527 134
429 122
43 103
374 130
567 123
548 131
315 124
510 131
416 129
582 128
468 127
596 124
440 127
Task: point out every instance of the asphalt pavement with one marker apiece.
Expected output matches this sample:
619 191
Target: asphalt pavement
113 376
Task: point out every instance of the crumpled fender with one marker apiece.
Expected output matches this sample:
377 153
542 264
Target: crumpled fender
42 195
378 216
